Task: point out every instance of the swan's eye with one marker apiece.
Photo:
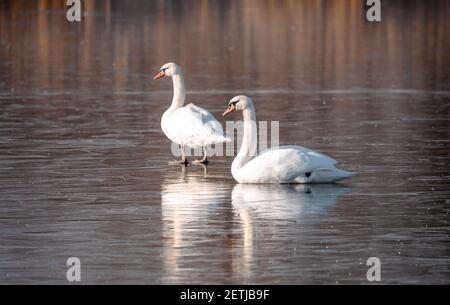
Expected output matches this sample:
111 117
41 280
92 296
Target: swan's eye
164 69
233 103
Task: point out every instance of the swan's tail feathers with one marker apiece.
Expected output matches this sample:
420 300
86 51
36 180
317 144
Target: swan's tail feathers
325 175
342 174
222 139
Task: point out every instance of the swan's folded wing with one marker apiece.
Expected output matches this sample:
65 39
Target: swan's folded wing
194 108
286 163
208 120
195 126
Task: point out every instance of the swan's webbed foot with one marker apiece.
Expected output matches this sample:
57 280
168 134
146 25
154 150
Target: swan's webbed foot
184 162
203 161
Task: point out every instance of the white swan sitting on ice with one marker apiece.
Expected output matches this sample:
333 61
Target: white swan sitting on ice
284 164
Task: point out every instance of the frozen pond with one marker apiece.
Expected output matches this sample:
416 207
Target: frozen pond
84 164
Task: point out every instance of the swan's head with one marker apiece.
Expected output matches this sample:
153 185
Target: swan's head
169 69
240 102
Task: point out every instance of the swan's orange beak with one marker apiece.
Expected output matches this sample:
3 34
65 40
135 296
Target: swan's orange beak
230 109
159 75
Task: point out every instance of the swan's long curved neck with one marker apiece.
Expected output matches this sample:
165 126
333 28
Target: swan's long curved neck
249 142
179 91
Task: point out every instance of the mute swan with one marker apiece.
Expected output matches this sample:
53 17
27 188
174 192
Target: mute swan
284 164
190 125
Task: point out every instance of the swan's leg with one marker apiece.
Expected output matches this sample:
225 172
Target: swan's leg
184 160
205 157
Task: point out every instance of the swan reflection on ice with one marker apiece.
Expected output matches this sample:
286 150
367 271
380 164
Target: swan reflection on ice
269 213
204 233
285 201
192 220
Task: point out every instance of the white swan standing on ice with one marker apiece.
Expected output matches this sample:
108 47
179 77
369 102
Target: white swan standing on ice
284 164
188 125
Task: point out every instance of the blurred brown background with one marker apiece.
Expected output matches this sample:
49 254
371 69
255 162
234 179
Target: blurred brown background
225 45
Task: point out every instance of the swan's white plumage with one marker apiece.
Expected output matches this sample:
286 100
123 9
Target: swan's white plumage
188 125
192 126
285 164
290 164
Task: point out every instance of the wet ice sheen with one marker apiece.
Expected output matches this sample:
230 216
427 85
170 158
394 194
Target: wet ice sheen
84 164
